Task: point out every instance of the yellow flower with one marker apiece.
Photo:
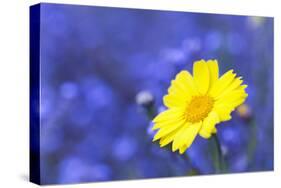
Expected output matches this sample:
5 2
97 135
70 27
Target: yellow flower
195 104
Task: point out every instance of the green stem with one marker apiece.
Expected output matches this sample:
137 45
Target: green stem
220 161
150 111
253 141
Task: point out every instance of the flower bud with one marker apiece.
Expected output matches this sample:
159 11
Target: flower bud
145 99
244 111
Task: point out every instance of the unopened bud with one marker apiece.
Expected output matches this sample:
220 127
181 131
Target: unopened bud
244 111
145 99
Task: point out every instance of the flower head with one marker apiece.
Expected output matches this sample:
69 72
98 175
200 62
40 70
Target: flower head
195 104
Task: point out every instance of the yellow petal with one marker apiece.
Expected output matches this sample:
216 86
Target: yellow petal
173 113
213 70
173 100
168 122
228 102
178 88
162 124
231 97
235 85
214 130
181 90
201 76
183 148
189 134
186 135
223 82
168 129
208 126
223 112
168 138
238 102
176 142
183 85
186 79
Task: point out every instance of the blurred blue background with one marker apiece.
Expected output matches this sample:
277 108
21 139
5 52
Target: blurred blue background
99 66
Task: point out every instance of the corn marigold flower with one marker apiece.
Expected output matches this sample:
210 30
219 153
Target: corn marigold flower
195 104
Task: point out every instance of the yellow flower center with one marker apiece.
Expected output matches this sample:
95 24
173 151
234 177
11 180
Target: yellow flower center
198 108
